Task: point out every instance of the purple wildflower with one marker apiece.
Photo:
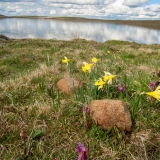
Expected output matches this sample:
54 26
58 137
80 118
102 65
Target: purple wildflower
85 109
49 86
121 88
83 154
153 85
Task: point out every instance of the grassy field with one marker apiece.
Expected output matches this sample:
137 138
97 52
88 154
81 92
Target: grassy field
37 121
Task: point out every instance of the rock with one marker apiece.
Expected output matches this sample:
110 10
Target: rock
68 84
108 113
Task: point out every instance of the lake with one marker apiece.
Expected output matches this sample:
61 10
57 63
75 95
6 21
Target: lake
20 28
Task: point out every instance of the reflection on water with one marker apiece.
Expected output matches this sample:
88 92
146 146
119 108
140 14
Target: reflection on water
67 30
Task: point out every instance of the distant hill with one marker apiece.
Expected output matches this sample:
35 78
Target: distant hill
2 16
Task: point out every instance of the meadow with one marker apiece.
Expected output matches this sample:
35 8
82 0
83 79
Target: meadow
38 121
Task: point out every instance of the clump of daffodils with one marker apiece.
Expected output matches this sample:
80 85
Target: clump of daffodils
107 78
87 67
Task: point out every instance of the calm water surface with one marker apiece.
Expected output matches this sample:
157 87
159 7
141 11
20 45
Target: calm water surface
66 30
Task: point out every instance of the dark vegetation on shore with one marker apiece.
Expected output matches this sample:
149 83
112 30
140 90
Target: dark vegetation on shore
2 16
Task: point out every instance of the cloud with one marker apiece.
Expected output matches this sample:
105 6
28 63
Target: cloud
153 8
21 8
107 2
18 1
80 2
134 3
106 9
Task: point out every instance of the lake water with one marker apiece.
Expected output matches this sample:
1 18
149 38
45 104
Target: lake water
66 30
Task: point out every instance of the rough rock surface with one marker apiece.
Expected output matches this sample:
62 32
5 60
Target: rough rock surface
108 113
68 84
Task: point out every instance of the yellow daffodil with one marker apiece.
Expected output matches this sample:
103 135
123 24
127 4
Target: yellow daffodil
94 60
108 77
155 94
65 60
87 67
100 83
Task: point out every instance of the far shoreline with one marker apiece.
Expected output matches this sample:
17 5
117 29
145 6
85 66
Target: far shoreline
152 24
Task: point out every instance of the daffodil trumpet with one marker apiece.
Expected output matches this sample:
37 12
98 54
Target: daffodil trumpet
108 77
155 94
94 60
100 83
65 60
87 67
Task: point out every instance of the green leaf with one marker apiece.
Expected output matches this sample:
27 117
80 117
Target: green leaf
37 133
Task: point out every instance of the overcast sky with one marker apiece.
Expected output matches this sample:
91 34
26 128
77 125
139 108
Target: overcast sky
106 9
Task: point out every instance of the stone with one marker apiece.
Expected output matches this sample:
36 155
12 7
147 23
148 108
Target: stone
68 84
107 113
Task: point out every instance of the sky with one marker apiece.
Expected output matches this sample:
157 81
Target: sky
103 9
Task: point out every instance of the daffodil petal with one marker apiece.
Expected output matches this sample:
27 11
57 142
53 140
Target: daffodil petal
155 94
87 67
107 73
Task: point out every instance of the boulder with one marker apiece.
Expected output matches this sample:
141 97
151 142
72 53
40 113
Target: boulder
68 84
108 113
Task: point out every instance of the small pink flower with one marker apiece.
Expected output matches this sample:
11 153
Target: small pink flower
49 86
153 85
121 88
83 154
85 109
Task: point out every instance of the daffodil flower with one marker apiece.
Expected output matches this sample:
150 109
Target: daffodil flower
155 94
100 83
108 77
87 67
94 60
65 60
